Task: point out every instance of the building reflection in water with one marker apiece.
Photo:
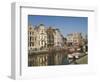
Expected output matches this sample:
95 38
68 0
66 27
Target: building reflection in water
45 58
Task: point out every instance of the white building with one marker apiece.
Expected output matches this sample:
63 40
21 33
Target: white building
41 37
74 38
37 37
58 39
31 37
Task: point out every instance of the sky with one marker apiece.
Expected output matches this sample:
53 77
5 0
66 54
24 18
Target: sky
66 24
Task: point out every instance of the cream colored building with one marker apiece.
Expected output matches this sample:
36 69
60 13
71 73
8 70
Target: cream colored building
74 38
31 37
41 42
37 37
58 39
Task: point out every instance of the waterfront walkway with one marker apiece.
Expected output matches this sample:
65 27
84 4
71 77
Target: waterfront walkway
81 60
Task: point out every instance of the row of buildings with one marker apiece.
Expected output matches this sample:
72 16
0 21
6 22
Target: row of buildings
40 37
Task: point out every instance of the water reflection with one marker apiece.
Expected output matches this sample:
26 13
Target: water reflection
54 57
